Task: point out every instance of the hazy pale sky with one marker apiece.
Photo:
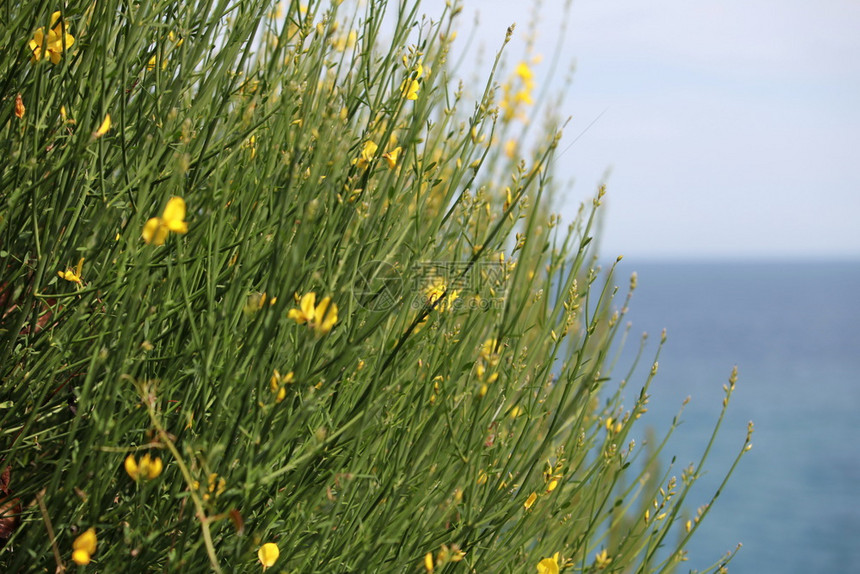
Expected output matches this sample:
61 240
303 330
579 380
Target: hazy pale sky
731 129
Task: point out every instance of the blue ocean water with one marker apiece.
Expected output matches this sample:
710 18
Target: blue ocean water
793 330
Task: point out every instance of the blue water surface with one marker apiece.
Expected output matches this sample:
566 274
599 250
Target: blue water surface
793 330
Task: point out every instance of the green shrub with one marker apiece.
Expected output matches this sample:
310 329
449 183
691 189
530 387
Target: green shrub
268 279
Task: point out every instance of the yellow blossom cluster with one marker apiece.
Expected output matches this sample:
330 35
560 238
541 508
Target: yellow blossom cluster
552 474
172 219
445 555
320 317
153 60
517 91
602 559
278 383
215 486
489 359
368 152
343 43
410 86
434 292
54 42
148 468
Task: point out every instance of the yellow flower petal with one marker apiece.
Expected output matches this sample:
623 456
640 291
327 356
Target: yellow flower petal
150 467
325 315
103 129
409 89
268 554
307 305
86 542
428 562
80 557
523 71
368 152
174 213
154 231
602 559
157 229
391 157
69 276
131 467
548 565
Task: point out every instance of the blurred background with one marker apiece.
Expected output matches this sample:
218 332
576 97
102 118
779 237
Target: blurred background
729 138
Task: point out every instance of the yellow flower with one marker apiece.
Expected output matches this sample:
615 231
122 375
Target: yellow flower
53 43
278 11
153 61
602 559
409 89
256 301
305 312
345 42
548 565
488 351
20 110
320 317
268 554
391 157
149 468
410 86
73 276
66 119
367 154
251 145
434 292
103 128
524 72
277 384
84 547
530 501
428 562
172 219
213 482
523 97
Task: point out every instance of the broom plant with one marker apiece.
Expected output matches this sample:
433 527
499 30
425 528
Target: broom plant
278 293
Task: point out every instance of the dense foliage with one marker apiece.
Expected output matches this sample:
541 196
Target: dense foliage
276 294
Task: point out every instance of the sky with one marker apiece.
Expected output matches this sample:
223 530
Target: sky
723 129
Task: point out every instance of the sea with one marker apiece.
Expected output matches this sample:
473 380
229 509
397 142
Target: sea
792 328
